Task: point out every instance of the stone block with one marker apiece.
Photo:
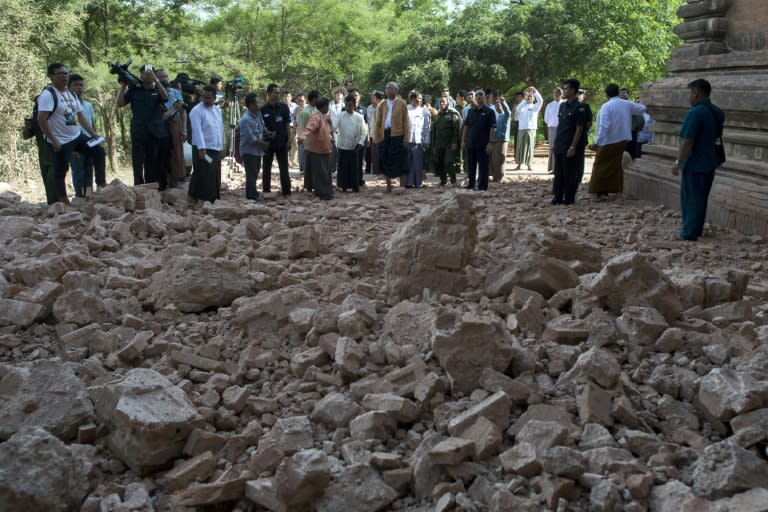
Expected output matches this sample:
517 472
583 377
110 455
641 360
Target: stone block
401 409
725 469
471 345
724 393
372 425
349 354
263 492
641 325
213 493
563 461
452 451
19 313
193 284
594 404
356 489
521 459
235 398
134 348
293 434
196 469
314 356
39 472
302 478
486 435
494 381
200 441
630 280
334 410
542 435
495 408
554 488
148 417
432 249
402 381
596 364
46 394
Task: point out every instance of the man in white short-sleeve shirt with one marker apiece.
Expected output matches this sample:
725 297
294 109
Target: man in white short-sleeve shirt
60 122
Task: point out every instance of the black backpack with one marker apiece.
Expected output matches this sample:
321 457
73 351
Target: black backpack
31 127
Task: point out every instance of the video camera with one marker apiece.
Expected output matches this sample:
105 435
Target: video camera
234 87
187 84
123 75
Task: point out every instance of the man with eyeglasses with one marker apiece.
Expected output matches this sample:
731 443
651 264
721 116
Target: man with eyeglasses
60 119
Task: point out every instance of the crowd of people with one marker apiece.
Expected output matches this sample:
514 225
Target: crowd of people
399 136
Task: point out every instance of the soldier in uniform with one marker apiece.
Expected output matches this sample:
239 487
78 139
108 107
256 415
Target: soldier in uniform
569 145
446 132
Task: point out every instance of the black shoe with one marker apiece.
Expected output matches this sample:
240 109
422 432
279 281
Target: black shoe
555 201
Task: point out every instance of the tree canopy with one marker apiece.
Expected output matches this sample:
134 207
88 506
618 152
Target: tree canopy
316 44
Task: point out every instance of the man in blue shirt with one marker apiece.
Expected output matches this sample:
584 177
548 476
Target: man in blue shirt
252 144
500 138
477 134
696 158
82 165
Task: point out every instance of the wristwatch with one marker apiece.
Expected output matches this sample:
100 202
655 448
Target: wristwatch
677 162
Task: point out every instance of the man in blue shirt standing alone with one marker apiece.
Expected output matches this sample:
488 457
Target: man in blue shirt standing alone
697 158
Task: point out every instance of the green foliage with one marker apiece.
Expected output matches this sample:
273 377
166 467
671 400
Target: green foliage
317 44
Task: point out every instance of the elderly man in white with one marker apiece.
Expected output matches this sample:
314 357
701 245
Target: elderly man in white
614 130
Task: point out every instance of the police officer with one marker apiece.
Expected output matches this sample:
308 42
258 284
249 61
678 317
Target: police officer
446 133
477 137
569 145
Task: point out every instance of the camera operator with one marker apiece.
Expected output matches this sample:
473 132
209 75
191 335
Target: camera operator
277 120
176 118
150 140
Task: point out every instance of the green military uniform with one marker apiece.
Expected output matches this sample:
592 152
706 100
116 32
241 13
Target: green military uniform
446 133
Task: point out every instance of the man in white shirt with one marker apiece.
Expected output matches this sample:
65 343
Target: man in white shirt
551 120
207 142
351 132
60 119
293 153
372 150
334 111
527 121
419 127
614 130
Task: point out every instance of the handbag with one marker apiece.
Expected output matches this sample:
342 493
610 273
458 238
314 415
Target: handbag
719 148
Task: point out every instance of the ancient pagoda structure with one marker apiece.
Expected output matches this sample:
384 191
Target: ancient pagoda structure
725 42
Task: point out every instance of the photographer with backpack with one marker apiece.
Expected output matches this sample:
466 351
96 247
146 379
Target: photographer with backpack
60 116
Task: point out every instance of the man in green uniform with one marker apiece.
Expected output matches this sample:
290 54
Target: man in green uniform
697 158
446 131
